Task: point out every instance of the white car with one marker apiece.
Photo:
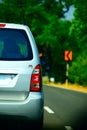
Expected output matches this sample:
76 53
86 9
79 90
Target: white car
21 92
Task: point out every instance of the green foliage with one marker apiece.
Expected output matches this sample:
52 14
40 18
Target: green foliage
78 71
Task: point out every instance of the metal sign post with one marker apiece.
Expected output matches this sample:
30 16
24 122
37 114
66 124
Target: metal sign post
67 73
67 57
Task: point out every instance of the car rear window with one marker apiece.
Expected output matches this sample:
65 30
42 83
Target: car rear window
14 45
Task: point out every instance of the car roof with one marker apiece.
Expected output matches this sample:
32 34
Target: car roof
13 25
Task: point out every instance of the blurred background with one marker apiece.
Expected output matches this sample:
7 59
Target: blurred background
58 26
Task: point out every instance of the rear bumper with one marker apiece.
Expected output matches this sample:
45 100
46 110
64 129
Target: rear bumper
31 108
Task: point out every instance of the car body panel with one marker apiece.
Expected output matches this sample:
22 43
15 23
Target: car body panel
31 108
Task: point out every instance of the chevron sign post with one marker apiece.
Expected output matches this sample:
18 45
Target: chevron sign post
67 57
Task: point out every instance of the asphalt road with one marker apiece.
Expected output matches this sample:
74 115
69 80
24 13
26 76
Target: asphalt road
64 109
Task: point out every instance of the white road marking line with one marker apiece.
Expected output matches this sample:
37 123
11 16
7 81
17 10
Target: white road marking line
68 128
48 110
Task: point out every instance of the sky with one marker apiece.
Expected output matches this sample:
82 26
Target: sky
69 14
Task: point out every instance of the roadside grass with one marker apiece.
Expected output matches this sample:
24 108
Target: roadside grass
66 85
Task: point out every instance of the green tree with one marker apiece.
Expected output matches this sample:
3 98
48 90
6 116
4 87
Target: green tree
78 70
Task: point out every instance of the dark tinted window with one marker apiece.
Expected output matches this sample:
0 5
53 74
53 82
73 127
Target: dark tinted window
14 45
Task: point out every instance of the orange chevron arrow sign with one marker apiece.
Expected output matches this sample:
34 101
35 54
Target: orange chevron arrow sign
68 55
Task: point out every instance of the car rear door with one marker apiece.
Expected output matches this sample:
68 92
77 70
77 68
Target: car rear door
16 68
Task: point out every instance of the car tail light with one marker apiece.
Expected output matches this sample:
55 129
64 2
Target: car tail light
36 79
2 25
